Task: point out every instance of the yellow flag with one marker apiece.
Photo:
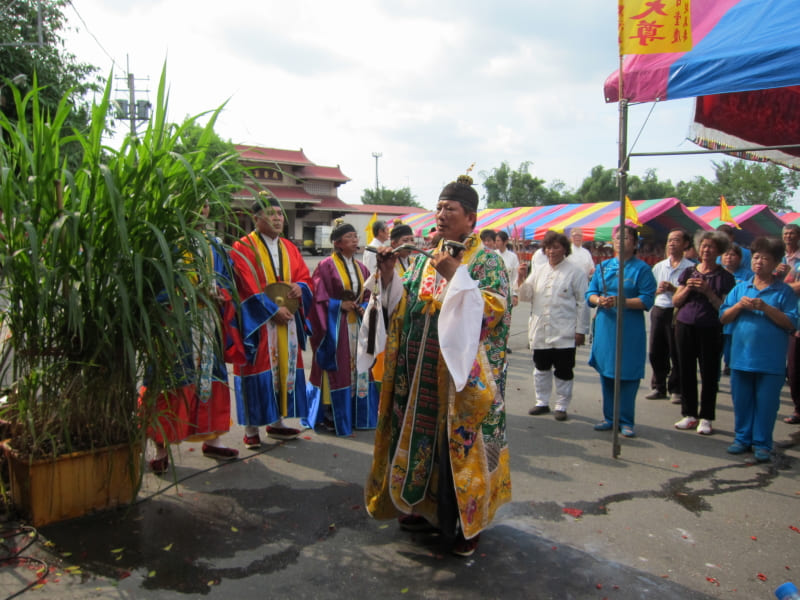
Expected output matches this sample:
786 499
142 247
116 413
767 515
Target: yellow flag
654 26
725 213
369 227
631 214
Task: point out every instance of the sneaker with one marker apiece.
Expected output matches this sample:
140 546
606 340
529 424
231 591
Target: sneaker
220 452
539 410
560 415
704 427
675 399
252 442
686 423
282 433
603 426
656 396
761 454
737 448
464 547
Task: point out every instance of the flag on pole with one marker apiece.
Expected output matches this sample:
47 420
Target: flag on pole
725 213
369 227
630 213
654 26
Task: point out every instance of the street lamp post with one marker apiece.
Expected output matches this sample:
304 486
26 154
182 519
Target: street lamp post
377 155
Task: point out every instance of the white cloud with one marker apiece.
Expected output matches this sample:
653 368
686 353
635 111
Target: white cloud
433 86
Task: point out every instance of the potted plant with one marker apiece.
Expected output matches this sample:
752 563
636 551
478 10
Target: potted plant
102 277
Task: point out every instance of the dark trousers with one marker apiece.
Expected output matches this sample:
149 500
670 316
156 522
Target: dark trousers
663 352
562 360
793 371
699 346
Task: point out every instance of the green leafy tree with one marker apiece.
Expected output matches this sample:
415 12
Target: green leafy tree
507 188
56 70
212 152
602 186
401 197
743 183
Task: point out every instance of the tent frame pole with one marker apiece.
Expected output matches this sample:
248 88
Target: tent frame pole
622 182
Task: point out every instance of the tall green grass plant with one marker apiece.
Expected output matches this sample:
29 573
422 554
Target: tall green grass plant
103 270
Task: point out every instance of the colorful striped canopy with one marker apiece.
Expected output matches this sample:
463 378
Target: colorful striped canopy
596 219
738 45
754 220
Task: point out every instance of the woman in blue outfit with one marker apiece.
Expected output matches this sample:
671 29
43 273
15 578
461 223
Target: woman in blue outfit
762 313
640 291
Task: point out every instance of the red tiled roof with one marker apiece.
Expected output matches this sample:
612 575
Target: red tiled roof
387 209
273 155
289 194
335 203
323 173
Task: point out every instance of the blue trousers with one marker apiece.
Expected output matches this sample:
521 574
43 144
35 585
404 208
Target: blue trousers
756 398
627 399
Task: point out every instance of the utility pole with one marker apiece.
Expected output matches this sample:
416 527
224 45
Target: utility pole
132 109
377 155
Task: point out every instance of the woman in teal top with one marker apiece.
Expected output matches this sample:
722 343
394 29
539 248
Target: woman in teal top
762 313
640 291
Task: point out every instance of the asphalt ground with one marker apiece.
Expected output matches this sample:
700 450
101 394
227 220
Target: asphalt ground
674 516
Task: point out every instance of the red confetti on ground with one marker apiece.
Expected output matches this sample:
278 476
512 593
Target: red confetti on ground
601 483
762 577
685 537
793 528
191 449
124 574
575 512
676 466
599 586
754 538
616 587
306 437
712 580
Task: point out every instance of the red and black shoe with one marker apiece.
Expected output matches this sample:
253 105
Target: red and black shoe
220 452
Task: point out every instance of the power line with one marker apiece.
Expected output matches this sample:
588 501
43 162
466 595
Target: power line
89 31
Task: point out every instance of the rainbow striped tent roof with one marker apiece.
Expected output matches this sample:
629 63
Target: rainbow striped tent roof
754 220
596 219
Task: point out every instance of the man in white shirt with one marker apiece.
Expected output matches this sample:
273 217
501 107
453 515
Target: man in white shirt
559 322
579 255
663 348
380 238
511 261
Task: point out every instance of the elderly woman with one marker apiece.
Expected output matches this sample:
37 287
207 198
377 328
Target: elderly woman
640 291
559 322
348 397
762 313
698 331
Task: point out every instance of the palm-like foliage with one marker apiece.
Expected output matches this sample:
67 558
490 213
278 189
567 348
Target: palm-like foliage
103 271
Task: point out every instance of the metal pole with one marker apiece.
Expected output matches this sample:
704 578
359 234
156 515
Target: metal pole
132 104
377 155
622 175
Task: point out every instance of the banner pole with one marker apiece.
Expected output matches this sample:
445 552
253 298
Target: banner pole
622 179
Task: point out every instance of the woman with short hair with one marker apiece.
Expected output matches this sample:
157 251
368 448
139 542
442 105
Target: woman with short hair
698 331
761 313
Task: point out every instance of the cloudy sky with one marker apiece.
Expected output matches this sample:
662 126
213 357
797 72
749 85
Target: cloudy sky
432 85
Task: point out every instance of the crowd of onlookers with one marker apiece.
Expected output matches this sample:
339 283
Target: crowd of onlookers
715 308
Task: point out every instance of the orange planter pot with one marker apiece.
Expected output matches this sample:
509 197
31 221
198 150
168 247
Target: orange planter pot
50 490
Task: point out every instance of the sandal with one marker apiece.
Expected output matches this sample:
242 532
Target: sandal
793 420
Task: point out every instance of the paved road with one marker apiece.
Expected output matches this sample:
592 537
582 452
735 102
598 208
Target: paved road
673 517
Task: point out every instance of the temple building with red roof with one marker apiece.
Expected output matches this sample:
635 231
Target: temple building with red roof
308 193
